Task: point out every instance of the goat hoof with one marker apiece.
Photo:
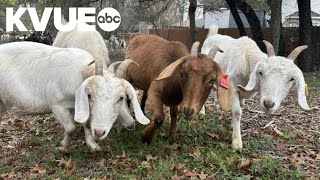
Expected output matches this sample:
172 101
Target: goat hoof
146 139
95 148
63 149
237 146
173 138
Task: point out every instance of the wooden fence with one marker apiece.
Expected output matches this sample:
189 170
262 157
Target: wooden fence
291 36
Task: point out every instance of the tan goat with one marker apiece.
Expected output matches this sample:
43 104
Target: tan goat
169 75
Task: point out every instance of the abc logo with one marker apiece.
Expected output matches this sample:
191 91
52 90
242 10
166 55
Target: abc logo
109 19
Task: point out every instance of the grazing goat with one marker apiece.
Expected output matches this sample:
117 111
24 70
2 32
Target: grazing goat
38 78
90 41
252 71
169 75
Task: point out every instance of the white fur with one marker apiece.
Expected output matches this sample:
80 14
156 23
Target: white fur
243 61
40 79
90 41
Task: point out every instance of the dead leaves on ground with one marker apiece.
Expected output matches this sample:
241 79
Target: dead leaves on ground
181 172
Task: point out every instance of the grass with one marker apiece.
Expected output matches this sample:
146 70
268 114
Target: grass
124 156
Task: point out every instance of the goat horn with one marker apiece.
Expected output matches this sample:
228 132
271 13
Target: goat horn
112 68
295 53
123 67
194 48
99 67
213 51
270 49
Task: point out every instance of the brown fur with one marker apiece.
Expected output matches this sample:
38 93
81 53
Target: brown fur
186 84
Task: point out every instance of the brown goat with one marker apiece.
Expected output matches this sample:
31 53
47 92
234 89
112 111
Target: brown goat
169 75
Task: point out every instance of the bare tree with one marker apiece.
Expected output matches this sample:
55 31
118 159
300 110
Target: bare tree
151 11
305 61
236 16
192 18
275 23
254 22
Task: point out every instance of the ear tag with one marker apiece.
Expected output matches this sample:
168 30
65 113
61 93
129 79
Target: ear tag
224 81
306 90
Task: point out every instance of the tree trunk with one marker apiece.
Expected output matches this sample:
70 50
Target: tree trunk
192 18
275 23
305 61
235 14
282 43
253 20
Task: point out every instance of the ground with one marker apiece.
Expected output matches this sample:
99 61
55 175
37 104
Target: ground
282 146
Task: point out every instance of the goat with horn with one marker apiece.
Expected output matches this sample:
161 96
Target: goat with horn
251 71
169 75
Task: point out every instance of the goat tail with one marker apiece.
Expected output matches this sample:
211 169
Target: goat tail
213 30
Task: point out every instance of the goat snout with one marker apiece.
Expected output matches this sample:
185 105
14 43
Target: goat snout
188 112
268 104
99 133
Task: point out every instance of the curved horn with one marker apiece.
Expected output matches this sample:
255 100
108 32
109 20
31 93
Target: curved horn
270 49
99 67
295 53
112 68
123 67
213 51
194 48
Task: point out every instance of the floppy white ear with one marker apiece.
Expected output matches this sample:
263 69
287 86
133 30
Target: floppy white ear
300 85
131 93
125 113
253 80
82 110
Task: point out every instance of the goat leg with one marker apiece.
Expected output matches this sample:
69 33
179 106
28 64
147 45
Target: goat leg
173 126
236 118
64 117
143 100
156 107
89 139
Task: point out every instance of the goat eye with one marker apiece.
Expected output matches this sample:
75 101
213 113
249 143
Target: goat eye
212 81
260 73
181 74
292 79
89 96
120 99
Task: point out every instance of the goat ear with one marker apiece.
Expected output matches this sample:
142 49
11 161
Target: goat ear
82 103
131 93
300 85
168 71
253 80
224 89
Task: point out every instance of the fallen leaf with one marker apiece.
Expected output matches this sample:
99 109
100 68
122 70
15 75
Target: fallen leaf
101 162
66 164
190 174
230 160
202 175
245 162
196 153
223 145
180 169
318 156
149 157
213 135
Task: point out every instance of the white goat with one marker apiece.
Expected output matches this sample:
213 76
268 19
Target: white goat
90 41
252 71
38 78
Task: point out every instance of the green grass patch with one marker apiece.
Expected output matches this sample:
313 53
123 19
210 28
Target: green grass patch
269 168
6 169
